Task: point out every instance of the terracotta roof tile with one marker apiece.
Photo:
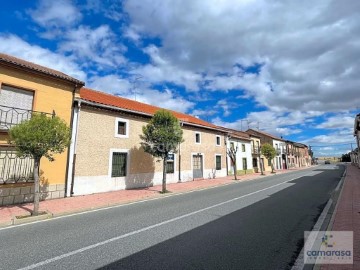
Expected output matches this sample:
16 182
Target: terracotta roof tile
8 59
135 106
237 133
266 134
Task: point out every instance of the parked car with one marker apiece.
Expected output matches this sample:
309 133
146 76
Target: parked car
327 161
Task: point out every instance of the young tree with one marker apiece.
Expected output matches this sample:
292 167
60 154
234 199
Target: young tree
269 152
41 136
161 137
231 152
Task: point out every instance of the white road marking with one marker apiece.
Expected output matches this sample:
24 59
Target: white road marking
45 262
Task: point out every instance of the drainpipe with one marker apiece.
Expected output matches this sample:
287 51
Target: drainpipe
76 133
179 180
71 126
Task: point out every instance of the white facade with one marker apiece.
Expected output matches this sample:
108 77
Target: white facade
243 155
280 147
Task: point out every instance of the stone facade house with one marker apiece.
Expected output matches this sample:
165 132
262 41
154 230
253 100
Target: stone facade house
106 153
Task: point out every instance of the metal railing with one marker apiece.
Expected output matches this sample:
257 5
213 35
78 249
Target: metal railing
11 116
14 169
254 151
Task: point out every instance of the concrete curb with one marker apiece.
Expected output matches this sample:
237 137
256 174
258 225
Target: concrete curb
29 218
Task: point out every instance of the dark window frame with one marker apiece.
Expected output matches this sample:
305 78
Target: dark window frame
116 161
218 162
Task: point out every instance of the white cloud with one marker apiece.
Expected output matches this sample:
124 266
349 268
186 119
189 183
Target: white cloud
109 8
14 45
308 49
112 84
54 14
338 121
97 45
140 91
161 70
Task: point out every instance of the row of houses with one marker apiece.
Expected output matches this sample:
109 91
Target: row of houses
105 152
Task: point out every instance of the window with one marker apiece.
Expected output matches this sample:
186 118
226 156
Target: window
11 97
197 137
170 163
244 161
218 162
255 162
170 167
232 145
269 162
118 164
243 147
121 128
218 140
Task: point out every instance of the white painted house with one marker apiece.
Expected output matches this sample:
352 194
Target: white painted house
241 142
280 158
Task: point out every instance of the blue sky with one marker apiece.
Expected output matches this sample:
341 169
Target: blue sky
289 68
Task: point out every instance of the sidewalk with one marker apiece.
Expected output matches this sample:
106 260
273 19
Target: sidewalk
347 216
69 205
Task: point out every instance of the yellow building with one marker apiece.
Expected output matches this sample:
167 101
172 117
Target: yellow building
26 87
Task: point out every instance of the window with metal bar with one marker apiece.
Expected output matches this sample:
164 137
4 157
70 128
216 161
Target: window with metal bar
119 161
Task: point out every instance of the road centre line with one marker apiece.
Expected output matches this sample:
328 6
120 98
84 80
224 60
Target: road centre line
45 262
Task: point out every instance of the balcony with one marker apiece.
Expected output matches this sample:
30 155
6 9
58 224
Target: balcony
11 116
254 151
14 169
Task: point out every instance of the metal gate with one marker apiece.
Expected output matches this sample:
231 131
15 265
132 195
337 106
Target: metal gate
197 166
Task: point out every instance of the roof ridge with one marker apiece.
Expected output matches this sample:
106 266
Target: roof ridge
131 100
37 67
132 105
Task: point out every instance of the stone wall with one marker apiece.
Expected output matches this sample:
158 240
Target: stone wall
16 194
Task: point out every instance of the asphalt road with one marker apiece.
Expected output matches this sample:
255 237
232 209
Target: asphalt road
257 224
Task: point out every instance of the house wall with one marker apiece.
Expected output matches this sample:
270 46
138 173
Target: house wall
96 138
278 161
49 94
255 155
291 159
240 155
